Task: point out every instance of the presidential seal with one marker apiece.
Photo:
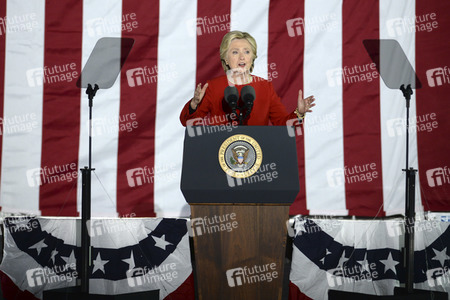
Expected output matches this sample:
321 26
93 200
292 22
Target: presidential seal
240 156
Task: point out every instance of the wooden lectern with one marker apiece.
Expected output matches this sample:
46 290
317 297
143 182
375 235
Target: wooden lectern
239 223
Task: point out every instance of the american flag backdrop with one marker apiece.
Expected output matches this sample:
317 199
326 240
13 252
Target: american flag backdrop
351 151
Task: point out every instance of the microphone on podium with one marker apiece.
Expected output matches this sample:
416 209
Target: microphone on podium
248 97
232 97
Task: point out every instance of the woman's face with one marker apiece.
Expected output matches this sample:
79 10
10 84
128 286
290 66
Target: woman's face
240 56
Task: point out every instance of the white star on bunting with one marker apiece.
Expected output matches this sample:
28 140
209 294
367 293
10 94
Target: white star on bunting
441 256
130 261
327 252
161 242
70 259
364 264
99 264
389 264
38 246
52 258
300 227
342 260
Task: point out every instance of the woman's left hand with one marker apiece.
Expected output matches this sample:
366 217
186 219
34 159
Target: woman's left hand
305 105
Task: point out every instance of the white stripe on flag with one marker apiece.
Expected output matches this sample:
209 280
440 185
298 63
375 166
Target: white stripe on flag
393 111
253 17
324 154
177 51
101 19
21 155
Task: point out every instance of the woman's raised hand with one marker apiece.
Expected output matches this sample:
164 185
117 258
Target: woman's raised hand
198 95
305 105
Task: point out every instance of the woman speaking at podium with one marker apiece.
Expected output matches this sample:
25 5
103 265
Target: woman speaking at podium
238 54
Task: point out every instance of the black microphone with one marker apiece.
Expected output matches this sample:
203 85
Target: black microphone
232 97
248 96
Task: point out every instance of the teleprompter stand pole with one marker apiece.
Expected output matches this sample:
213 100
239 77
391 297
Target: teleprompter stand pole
85 218
410 217
410 214
86 202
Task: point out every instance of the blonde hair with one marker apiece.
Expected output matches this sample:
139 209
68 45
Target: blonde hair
225 45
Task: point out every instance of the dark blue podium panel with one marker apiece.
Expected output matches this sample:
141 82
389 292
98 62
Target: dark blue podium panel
74 293
269 152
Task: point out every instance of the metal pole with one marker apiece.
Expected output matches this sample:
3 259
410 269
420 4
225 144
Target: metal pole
409 203
86 203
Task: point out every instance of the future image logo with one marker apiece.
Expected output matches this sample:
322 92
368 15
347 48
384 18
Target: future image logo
52 74
397 27
146 175
199 126
353 174
249 275
48 175
335 177
210 25
100 227
343 275
235 277
295 27
334 77
104 26
210 225
40 276
438 176
396 127
438 76
438 277
300 26
293 127
18 23
151 75
142 276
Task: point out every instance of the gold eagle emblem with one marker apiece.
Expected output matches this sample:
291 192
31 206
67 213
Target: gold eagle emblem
240 154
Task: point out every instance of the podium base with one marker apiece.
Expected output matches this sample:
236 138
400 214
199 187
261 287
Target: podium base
399 294
245 262
74 293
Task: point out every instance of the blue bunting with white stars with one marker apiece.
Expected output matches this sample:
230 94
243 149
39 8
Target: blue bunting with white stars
371 261
40 255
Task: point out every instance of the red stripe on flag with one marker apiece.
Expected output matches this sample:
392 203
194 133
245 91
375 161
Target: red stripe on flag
2 71
61 108
136 153
433 123
285 68
361 110
213 22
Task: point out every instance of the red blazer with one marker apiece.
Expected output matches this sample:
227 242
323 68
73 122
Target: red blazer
267 105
